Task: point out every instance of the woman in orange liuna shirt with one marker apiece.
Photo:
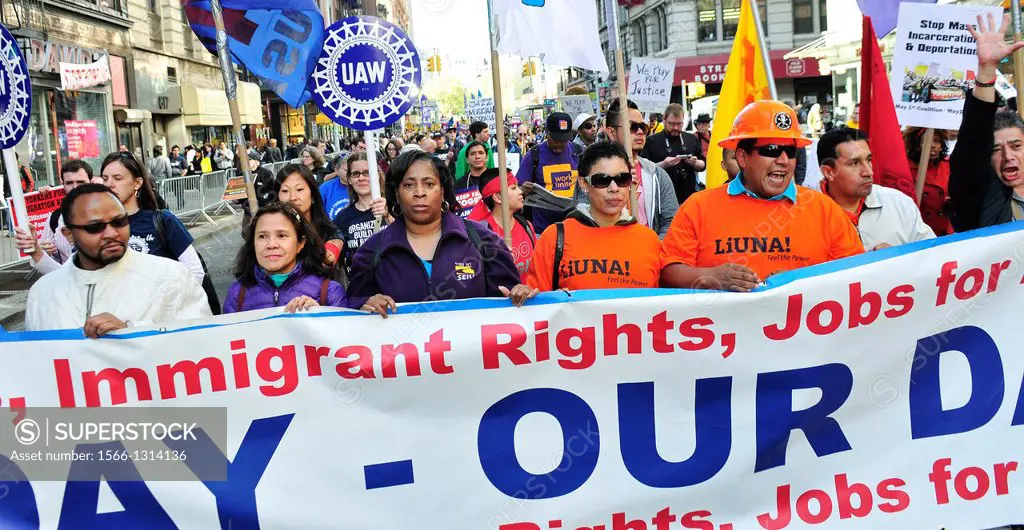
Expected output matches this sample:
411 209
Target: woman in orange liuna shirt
602 246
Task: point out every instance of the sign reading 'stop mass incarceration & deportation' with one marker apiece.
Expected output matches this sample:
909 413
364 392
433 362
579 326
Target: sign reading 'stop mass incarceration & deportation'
934 63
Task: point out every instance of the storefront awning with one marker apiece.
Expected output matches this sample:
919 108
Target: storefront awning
132 115
710 69
208 107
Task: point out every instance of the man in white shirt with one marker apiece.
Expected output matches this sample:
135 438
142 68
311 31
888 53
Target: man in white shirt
884 217
106 286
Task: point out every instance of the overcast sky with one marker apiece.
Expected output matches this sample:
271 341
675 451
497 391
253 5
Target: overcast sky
455 27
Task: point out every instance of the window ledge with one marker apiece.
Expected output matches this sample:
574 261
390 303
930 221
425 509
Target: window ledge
91 10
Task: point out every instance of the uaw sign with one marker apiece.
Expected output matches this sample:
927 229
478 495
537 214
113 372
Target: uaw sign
366 73
77 76
15 91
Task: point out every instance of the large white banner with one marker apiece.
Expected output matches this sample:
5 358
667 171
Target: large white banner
934 62
882 391
75 76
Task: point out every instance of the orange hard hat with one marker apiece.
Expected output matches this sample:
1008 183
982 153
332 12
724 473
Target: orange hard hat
765 119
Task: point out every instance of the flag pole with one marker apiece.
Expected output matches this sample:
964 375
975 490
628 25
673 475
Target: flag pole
499 124
620 83
765 56
231 89
371 162
1018 56
17 194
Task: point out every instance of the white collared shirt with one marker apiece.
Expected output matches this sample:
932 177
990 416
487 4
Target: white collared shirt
890 216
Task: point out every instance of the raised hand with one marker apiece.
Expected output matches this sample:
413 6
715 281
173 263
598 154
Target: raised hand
990 40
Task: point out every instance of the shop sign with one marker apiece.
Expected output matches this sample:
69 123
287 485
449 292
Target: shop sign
795 67
83 139
46 56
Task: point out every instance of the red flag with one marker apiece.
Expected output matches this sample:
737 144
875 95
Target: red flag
878 118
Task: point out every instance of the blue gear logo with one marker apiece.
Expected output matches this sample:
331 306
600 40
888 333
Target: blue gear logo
366 74
15 92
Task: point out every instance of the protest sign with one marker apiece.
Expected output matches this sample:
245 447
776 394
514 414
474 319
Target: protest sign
934 63
576 105
482 109
83 139
1004 87
881 391
235 189
467 197
40 204
650 83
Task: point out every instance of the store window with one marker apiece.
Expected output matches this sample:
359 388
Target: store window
722 17
707 20
65 126
809 16
639 30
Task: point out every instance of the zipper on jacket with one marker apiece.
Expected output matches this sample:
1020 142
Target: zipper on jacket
88 300
277 293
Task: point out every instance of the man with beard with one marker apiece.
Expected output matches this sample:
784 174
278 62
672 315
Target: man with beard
677 152
883 216
107 286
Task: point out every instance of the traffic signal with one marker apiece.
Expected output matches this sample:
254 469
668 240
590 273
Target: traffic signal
529 69
430 64
695 90
437 63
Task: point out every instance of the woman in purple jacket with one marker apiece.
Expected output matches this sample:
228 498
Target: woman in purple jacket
282 263
429 253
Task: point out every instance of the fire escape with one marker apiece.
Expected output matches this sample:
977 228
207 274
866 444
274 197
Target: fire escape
26 19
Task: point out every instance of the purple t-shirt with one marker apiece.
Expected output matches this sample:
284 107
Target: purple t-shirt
556 172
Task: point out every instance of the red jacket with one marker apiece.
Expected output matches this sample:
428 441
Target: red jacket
934 201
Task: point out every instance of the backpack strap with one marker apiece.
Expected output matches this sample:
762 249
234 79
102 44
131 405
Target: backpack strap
323 291
559 250
241 298
534 162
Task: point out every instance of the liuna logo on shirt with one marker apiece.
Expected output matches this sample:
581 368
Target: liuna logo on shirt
752 245
464 271
576 267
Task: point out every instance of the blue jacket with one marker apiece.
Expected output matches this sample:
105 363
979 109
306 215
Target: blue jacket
265 294
459 268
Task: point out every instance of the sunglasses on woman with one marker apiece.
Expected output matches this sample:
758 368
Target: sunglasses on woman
776 150
601 181
99 226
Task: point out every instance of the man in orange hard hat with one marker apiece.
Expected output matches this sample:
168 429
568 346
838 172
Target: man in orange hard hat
733 237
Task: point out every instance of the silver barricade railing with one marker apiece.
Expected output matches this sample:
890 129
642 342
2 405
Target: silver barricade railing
183 195
214 185
9 254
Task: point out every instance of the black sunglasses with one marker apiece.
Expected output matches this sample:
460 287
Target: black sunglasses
100 226
602 181
635 126
587 125
776 150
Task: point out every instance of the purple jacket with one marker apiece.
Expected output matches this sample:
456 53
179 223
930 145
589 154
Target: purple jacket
265 294
459 270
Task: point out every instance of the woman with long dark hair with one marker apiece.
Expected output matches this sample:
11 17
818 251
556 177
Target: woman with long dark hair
281 263
315 162
154 230
296 186
391 150
429 252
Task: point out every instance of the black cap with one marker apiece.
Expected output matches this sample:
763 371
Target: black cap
560 127
437 134
703 118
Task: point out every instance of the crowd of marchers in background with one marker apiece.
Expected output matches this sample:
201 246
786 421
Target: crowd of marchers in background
587 211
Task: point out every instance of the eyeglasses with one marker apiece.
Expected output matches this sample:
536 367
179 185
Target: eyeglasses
776 150
635 126
359 174
601 181
100 226
587 125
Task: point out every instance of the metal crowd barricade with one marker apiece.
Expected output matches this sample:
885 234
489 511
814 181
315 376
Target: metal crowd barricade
213 192
9 255
183 195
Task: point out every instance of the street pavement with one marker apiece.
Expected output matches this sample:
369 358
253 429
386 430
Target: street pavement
217 243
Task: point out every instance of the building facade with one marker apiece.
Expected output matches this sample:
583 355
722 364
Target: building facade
698 36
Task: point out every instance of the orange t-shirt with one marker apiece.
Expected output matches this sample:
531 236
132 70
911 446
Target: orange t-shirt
713 228
612 257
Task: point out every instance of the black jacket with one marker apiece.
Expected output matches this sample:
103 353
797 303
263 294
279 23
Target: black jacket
978 198
684 178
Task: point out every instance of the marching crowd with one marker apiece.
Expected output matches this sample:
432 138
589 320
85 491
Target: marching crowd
585 214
